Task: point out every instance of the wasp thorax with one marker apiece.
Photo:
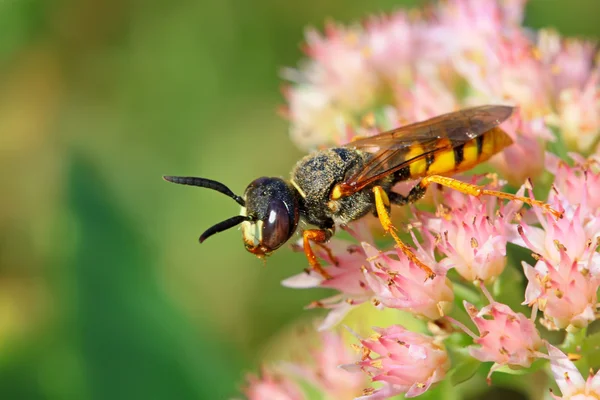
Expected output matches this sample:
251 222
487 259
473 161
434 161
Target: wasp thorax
272 208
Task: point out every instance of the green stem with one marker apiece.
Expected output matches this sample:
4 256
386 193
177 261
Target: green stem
573 341
464 293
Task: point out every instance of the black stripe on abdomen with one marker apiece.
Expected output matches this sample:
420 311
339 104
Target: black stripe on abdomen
429 159
459 155
402 174
479 141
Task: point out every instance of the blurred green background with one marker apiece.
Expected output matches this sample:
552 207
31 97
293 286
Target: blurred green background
105 292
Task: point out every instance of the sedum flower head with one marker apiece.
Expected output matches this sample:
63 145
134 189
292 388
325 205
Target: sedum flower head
317 369
387 279
395 69
272 385
579 184
505 337
347 278
399 283
566 292
472 236
405 362
408 65
323 370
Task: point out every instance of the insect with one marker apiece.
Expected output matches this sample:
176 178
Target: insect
333 187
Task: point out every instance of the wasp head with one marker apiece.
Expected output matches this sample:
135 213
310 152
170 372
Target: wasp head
272 212
269 215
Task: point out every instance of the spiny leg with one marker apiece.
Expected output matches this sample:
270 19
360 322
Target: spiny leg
327 250
318 236
416 193
381 203
477 191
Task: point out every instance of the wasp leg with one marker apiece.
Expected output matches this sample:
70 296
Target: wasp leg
333 258
382 202
477 191
318 236
416 193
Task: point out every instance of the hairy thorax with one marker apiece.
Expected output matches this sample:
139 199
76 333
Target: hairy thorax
315 176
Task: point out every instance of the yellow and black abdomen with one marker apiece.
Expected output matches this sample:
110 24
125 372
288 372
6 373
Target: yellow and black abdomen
454 158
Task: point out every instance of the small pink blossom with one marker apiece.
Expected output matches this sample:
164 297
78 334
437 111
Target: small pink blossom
389 44
391 70
528 149
408 63
569 379
323 371
399 283
570 62
580 225
425 98
473 241
579 115
273 386
505 337
408 362
473 232
571 234
578 184
346 276
565 291
363 273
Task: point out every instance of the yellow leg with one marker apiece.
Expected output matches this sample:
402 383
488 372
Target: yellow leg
381 203
477 191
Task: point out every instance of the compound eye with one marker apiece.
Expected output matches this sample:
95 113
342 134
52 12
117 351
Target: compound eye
277 228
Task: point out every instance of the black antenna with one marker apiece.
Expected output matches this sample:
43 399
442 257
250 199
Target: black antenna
221 226
205 183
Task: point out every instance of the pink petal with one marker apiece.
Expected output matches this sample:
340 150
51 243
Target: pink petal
335 316
385 392
593 384
353 367
303 281
536 237
533 290
370 250
563 368
417 390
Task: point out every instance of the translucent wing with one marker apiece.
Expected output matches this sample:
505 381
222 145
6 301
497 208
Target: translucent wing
395 149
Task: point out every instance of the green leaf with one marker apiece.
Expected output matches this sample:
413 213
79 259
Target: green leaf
464 366
20 22
536 365
132 342
458 342
464 371
574 340
441 391
558 146
509 288
464 292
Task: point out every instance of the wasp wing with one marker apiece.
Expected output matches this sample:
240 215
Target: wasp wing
395 149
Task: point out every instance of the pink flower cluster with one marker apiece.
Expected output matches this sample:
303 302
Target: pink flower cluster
407 362
403 68
387 279
406 67
564 282
505 337
321 371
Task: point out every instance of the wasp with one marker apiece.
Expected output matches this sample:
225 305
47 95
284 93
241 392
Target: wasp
333 187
